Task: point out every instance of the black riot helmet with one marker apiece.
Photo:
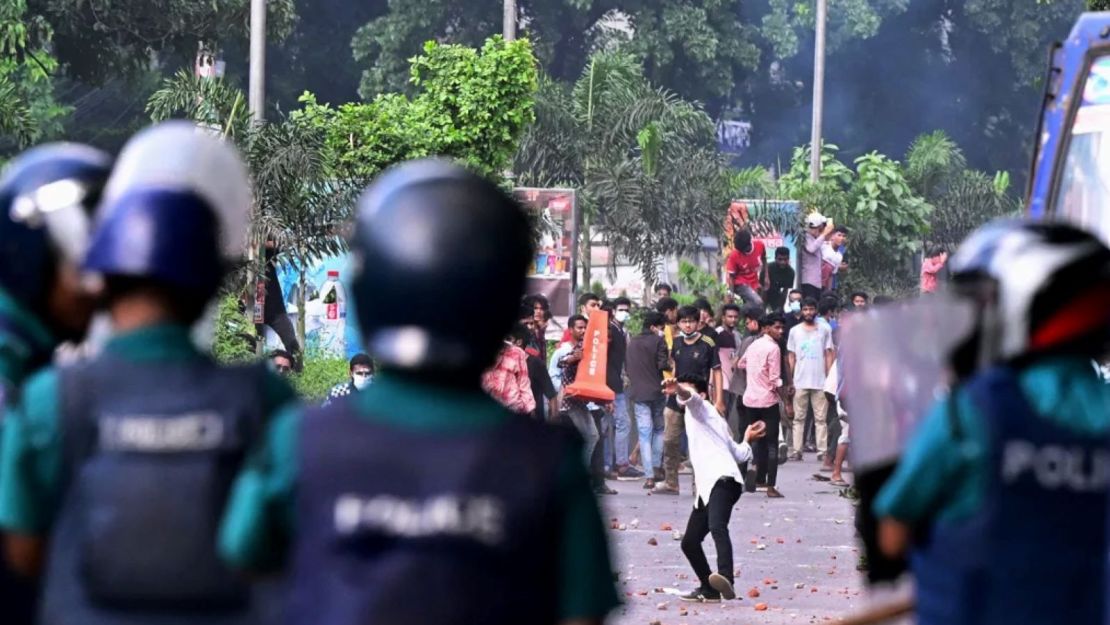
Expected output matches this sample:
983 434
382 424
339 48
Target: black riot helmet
439 260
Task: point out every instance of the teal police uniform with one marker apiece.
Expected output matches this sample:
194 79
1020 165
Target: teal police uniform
942 476
31 477
260 517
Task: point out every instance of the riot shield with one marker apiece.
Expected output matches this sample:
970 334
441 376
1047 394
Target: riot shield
893 363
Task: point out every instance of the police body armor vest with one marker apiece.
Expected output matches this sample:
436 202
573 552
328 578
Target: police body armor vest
151 450
1035 551
412 527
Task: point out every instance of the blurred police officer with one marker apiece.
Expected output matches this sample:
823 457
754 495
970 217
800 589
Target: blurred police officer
47 197
124 463
421 500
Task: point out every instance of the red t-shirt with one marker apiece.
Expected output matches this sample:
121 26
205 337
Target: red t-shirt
746 266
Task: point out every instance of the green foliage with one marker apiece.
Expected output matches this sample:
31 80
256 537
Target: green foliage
972 199
471 105
644 159
320 374
210 101
700 283
233 342
103 40
933 158
29 111
887 215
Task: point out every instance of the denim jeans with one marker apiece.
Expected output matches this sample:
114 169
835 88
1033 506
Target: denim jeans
748 294
622 425
583 421
649 425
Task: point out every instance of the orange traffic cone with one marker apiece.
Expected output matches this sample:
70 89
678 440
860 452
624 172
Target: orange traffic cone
590 384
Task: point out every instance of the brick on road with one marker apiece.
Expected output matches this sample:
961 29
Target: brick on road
812 512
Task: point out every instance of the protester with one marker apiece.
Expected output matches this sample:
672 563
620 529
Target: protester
669 309
274 313
809 357
818 229
587 304
762 363
507 380
281 362
42 301
663 291
419 501
692 355
621 309
753 315
1003 488
931 267
148 435
728 337
793 304
361 373
706 318
543 389
646 362
832 257
778 279
717 486
860 301
743 267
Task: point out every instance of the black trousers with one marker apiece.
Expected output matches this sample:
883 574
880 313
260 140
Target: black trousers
712 519
766 449
811 292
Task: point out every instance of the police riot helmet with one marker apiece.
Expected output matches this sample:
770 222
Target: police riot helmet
1035 287
175 210
439 260
47 198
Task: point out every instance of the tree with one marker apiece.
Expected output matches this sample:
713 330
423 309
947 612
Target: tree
103 39
887 220
29 111
471 105
644 160
300 203
560 30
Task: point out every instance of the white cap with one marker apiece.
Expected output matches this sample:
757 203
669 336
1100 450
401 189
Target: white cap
815 220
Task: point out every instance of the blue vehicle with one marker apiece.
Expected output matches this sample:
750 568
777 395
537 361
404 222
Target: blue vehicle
1070 178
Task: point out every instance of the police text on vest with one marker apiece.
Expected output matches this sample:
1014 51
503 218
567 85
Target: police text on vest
163 434
479 518
1055 467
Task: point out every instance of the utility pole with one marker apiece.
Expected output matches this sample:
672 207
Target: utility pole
508 20
257 96
818 91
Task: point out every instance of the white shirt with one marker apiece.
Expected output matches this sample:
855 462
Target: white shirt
832 257
713 453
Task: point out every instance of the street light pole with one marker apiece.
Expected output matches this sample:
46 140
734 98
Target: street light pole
257 95
508 20
818 92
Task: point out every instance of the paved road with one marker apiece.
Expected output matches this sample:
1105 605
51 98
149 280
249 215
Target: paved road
805 538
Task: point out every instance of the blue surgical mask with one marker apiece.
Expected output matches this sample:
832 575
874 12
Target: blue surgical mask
795 306
362 380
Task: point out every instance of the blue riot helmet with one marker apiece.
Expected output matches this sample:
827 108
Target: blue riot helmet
174 212
47 198
431 236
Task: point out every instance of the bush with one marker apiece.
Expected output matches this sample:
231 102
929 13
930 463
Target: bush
234 331
318 376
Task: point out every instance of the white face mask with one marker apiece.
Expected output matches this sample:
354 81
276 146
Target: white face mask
361 381
795 306
622 315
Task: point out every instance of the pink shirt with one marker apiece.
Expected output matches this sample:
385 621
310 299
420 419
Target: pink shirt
507 381
763 364
929 269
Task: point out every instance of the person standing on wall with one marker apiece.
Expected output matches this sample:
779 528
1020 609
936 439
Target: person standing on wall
818 230
743 267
